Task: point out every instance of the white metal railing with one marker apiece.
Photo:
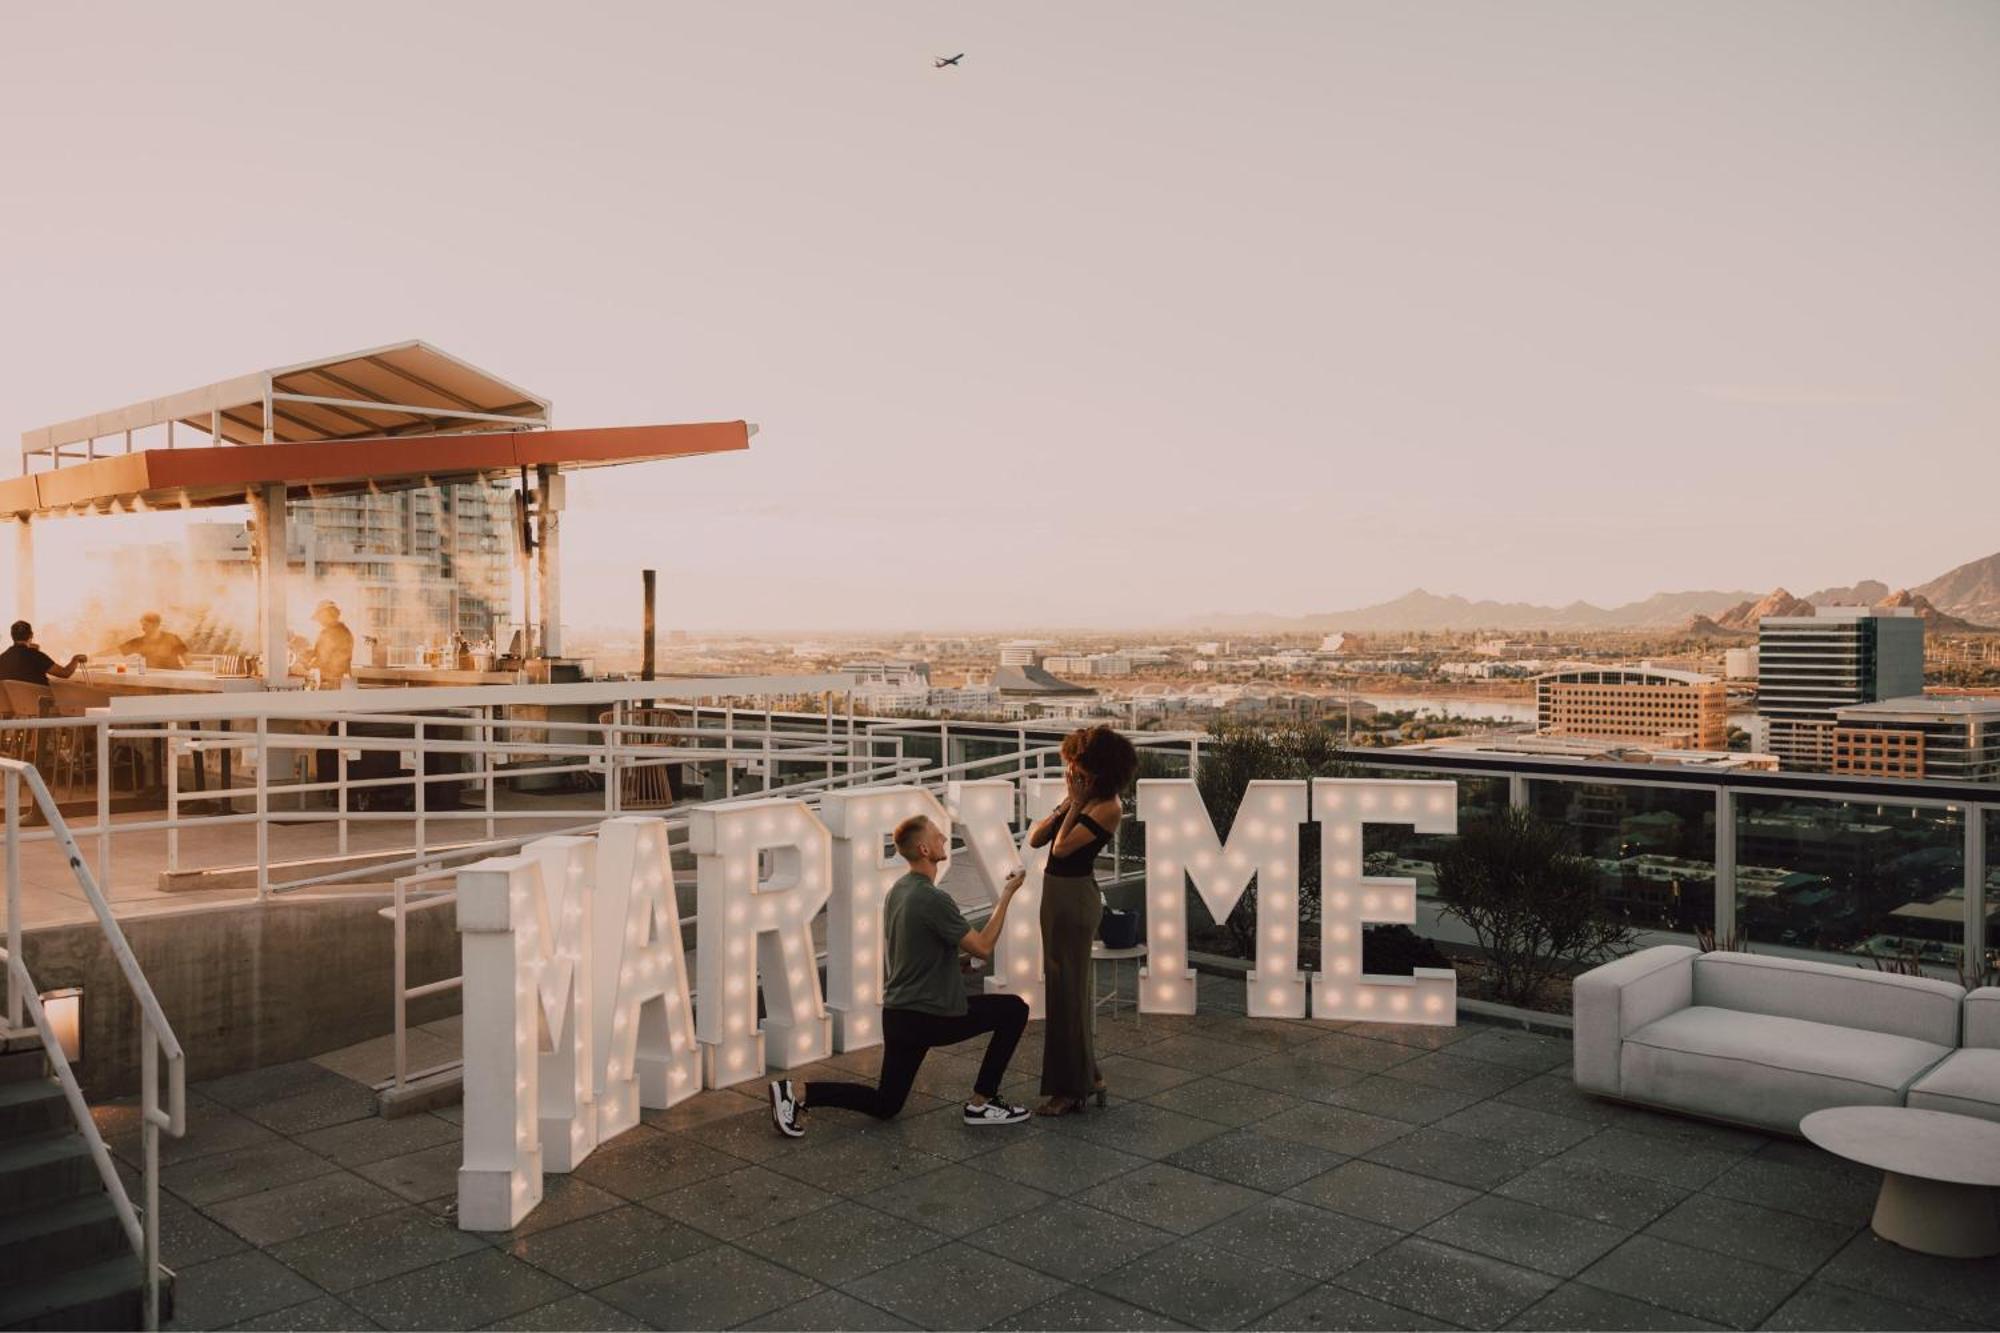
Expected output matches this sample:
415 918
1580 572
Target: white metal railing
158 1043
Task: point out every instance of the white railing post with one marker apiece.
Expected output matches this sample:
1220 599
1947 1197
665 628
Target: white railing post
728 749
340 783
1725 863
612 731
263 807
14 989
486 763
149 1137
173 777
104 802
422 803
402 986
1975 891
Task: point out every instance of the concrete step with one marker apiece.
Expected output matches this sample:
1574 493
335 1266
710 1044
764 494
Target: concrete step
29 1062
41 1169
31 1106
44 1242
104 1295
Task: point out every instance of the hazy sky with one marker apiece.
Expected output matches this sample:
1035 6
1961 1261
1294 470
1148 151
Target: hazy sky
1146 310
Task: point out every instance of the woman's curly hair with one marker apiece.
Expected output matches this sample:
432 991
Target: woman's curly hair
1105 756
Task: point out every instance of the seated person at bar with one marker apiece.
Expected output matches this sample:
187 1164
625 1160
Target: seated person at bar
332 653
161 650
25 660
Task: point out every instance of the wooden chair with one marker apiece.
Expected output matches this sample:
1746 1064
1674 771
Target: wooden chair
30 701
643 787
76 759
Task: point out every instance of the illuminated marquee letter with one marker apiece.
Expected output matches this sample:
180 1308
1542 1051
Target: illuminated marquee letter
756 933
502 924
1180 844
567 1072
984 811
861 823
1343 807
643 1019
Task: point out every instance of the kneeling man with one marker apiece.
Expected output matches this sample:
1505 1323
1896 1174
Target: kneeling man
925 1004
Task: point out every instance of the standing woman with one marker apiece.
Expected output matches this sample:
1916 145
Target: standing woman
1098 763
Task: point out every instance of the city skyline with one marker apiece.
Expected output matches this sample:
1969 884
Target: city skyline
1345 260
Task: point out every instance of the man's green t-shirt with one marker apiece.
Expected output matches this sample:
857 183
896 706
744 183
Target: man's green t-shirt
924 927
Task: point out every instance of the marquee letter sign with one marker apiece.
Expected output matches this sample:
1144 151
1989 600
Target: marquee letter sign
643 1010
502 924
984 811
757 932
1347 898
864 866
1181 844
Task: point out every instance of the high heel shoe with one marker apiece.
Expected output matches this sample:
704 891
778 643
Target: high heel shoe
1100 1092
1055 1106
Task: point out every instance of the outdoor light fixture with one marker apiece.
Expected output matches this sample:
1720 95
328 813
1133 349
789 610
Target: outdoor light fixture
64 1010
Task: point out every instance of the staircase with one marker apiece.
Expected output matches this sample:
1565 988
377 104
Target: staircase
65 1260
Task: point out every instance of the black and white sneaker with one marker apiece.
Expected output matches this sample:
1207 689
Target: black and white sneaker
785 1111
995 1112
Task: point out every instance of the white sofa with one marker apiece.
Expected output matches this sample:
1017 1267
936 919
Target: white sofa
1766 1041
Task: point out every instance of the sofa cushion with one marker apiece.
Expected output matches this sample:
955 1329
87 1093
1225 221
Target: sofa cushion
1920 1008
1967 1083
1767 1069
1982 1017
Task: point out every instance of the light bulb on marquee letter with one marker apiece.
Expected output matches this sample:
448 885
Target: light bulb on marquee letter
567 1076
1343 807
984 810
1180 843
501 936
647 1055
861 823
734 909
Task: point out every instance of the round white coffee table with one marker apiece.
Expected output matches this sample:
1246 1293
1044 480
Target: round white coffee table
1940 1174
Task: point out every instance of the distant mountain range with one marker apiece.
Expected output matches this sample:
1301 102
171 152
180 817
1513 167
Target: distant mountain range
1966 597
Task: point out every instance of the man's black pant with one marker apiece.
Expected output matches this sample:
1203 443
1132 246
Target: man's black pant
907 1036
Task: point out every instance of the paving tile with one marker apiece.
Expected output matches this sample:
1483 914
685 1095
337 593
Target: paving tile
324 1313
1202 1285
1716 1287
1377 1193
1297 1236
1967 1288
1625 1201
1520 1050
374 1138
1071 1241
234 1288
1329 1306
377 1248
1422 1036
211 1128
1057 1163
270 1217
1823 1305
1690 1129
1140 1128
955 1287
940 1133
466 1292
1558 1094
564 1199
1259 1161
1575 1306
1442 1069
717 1288
1470 1290
841 1242
1226 1103
1168 1197
1478 1163
1829 1196
269 1084
337 1103
855 1164
1132 1077
1081 1308
642 1162
1333 1128
1349 1051
1399 1099
750 1136
1665 1160
188 1236
700 1109
1199 1055
1268 1034
1763 1235
577 1312
1294 1074
208 1180
607 1246
956 1200
834 1311
1505 1123
739 1202
429 1173
1526 1235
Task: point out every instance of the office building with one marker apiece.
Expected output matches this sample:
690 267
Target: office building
1809 667
1674 710
1952 740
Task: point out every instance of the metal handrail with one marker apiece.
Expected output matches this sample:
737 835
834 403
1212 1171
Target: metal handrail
142 1226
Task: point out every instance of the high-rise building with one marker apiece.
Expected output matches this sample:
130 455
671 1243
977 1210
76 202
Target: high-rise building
1954 740
1677 710
1809 667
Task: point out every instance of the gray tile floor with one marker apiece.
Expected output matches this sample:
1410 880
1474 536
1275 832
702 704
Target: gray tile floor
1248 1174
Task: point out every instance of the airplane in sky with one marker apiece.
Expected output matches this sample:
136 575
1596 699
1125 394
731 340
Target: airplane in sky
942 61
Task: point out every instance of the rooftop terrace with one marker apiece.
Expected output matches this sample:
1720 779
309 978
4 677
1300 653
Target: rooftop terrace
1248 1174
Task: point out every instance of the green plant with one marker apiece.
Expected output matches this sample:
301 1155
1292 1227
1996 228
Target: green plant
1736 940
1530 901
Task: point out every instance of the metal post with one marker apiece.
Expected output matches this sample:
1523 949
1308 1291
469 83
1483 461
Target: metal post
273 575
486 763
402 985
1975 890
340 779
104 803
647 661
149 1133
263 808
1517 790
611 733
770 766
173 776
1725 863
422 789
14 1005
728 749
24 567
549 556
